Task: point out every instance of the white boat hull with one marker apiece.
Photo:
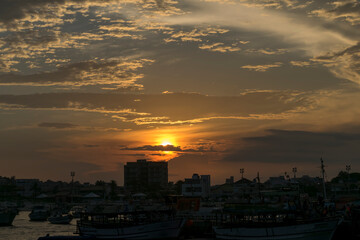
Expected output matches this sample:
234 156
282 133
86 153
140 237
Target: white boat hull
309 231
158 230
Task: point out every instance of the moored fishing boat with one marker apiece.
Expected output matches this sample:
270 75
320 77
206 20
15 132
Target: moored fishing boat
130 225
60 219
39 213
264 222
317 229
7 216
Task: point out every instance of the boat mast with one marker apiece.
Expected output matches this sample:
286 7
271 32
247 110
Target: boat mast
259 184
323 177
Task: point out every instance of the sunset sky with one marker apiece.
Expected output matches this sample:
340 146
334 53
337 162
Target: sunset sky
211 86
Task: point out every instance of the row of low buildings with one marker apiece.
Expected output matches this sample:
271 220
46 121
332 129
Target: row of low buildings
146 175
151 177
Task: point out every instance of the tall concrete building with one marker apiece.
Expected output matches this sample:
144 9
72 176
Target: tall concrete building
144 175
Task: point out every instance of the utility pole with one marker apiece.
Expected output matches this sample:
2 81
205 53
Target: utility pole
348 168
242 170
72 174
258 178
323 177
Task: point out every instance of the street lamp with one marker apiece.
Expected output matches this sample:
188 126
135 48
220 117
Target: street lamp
242 172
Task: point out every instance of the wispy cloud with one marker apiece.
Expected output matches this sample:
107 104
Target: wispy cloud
56 125
268 51
343 64
310 37
219 47
158 109
262 68
300 63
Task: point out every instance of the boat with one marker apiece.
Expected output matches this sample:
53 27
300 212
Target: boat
265 222
60 218
7 216
76 211
48 237
130 225
39 213
318 229
271 221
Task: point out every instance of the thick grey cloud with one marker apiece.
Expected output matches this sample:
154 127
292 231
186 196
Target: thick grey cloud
25 154
155 148
56 125
91 145
281 146
12 10
171 148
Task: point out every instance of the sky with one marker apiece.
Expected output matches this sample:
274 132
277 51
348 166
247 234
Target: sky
211 86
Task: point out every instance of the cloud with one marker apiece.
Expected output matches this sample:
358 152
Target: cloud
306 35
124 29
219 47
159 109
57 125
196 35
172 148
267 51
19 14
161 7
281 146
91 145
12 11
348 10
117 72
155 148
30 44
262 68
37 29
343 64
300 63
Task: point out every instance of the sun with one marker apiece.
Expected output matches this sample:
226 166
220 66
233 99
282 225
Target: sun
165 143
165 140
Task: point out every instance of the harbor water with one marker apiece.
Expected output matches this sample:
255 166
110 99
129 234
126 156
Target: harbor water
24 229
